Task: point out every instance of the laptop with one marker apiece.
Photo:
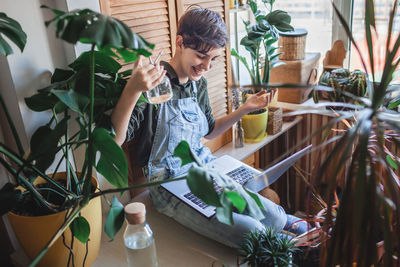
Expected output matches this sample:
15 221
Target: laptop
242 173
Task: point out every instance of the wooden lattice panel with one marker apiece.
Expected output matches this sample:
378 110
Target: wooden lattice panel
154 20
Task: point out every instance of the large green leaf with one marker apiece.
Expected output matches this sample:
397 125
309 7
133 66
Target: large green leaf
204 182
224 213
243 60
238 201
60 75
280 19
44 144
115 218
81 229
13 31
201 184
103 63
75 101
112 163
182 151
41 101
253 7
87 26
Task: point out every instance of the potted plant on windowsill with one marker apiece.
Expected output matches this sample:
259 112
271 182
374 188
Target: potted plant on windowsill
260 42
342 80
84 93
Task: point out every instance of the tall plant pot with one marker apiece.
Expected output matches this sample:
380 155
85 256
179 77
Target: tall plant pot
33 233
255 126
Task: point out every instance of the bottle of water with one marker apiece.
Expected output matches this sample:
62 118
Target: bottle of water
138 238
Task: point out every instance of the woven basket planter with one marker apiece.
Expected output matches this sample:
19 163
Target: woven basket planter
274 121
292 44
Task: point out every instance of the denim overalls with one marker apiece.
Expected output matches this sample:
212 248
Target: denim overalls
182 119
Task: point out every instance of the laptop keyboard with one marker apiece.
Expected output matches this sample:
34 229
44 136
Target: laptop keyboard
195 200
240 175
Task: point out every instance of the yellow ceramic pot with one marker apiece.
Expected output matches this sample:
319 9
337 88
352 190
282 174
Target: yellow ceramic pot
255 126
33 233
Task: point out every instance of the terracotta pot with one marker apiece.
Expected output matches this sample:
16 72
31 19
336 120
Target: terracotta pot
33 233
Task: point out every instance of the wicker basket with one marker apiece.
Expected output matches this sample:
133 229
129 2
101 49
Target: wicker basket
292 44
274 120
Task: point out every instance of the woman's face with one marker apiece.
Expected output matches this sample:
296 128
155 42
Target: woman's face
195 64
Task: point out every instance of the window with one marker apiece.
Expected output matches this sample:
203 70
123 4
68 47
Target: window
382 13
313 15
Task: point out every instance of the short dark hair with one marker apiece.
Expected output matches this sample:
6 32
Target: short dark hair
202 29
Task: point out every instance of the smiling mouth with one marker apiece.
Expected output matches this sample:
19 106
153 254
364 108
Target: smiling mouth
197 71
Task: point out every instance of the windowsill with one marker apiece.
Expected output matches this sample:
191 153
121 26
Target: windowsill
250 148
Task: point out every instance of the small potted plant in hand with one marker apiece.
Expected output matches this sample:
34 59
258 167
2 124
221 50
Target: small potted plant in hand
260 42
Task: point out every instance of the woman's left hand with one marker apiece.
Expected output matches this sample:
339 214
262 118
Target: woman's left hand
258 101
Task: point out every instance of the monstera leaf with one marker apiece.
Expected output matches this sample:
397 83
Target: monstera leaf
280 19
109 34
13 31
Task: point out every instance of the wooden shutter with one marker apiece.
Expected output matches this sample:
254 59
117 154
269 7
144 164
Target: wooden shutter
219 76
154 20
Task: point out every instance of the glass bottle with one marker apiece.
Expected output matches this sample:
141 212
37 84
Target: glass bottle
238 134
138 237
161 93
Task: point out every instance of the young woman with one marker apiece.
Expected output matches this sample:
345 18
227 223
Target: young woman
201 38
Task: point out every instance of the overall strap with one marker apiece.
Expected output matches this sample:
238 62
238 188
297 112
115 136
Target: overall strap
194 86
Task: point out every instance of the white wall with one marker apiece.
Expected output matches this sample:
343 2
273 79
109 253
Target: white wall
32 69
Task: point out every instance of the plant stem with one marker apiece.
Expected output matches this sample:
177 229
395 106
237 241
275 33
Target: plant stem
90 155
66 153
258 81
117 190
28 185
22 163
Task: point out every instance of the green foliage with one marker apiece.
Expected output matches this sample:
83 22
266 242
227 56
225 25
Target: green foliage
347 85
87 91
81 229
201 184
267 248
366 153
115 218
13 31
112 163
105 32
217 189
260 41
184 152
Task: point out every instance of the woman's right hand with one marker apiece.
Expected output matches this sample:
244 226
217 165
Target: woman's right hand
145 76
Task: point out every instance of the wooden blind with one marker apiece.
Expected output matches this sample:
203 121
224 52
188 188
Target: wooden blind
219 76
154 20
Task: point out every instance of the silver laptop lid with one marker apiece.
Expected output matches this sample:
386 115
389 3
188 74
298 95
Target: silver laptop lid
270 175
